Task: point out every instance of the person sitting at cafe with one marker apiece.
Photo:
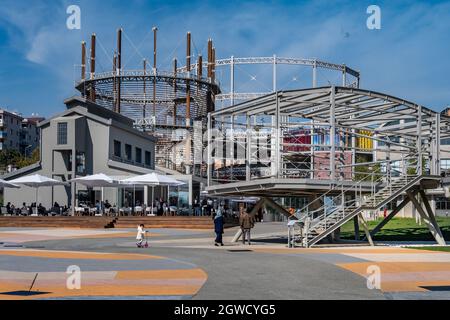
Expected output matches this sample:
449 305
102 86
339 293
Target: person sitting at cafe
107 204
9 208
41 209
24 208
98 206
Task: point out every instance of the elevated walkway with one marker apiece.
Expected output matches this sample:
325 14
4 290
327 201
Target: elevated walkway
272 187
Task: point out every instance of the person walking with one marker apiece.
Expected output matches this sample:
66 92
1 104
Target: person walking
218 227
197 208
246 222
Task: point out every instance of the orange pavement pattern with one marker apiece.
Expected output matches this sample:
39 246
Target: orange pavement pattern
22 236
402 269
184 281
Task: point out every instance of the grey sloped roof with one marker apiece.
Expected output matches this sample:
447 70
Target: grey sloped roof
22 171
79 105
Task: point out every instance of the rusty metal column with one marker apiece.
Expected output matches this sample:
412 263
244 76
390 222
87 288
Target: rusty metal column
213 69
92 75
83 60
209 60
188 89
155 31
114 72
83 67
175 92
119 68
145 96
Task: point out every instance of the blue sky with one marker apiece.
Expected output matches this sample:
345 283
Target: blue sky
408 57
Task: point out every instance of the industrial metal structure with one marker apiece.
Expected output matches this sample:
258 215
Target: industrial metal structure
342 150
350 77
166 104
173 105
345 149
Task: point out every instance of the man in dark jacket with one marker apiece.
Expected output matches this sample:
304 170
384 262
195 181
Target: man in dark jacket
246 222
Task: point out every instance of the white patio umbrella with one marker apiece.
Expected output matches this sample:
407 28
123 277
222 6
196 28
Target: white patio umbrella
153 179
97 180
7 184
36 181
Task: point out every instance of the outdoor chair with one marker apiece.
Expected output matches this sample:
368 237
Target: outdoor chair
79 211
138 210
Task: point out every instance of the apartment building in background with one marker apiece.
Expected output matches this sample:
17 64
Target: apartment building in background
18 132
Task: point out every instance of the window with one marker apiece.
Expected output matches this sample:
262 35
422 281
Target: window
148 158
128 152
62 133
442 203
445 142
117 149
138 155
81 162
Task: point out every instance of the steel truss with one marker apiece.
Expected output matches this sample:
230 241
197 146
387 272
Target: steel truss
328 133
350 77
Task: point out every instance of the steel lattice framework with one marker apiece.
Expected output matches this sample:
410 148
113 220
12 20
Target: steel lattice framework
350 77
317 134
152 98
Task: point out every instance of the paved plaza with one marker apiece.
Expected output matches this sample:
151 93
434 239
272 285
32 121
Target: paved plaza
184 264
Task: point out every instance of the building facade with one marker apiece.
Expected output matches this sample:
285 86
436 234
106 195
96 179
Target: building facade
83 140
19 133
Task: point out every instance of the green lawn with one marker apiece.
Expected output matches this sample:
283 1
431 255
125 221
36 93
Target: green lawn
445 249
398 229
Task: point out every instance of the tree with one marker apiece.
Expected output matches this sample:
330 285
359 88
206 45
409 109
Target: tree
13 157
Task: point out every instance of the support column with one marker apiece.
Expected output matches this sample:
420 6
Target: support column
188 89
366 229
435 231
437 160
83 60
274 80
232 81
155 30
344 76
278 144
314 81
119 68
92 75
208 146
430 212
332 135
248 150
419 140
390 216
356 227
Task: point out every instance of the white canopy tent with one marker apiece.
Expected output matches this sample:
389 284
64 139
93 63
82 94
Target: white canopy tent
97 180
153 179
7 184
36 181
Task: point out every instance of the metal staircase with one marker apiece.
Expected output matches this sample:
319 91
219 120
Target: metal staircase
327 219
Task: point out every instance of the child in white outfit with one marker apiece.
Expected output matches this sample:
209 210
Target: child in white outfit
140 235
